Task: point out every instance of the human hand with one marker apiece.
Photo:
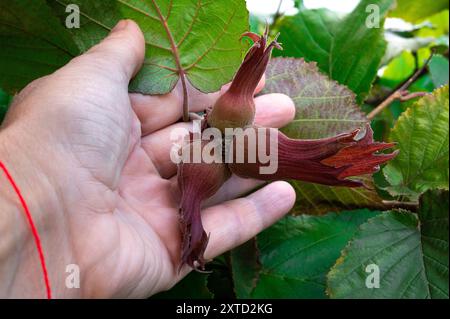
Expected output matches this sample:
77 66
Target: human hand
94 164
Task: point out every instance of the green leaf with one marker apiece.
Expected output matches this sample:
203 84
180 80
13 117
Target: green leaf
5 100
410 252
318 199
349 50
397 45
439 70
296 253
433 217
323 108
298 4
193 286
398 70
439 25
33 43
220 281
256 24
422 136
416 10
423 84
198 38
309 34
245 267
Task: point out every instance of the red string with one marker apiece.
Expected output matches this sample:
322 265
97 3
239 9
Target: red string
33 230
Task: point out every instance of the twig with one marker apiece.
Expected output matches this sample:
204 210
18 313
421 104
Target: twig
277 15
391 204
402 92
406 96
176 55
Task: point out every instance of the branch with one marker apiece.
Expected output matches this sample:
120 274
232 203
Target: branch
392 204
402 92
277 15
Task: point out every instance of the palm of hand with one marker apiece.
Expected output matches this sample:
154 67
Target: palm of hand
119 222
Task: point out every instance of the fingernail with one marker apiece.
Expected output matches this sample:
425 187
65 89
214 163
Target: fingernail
122 24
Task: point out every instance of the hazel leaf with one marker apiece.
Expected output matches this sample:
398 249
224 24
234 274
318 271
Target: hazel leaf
404 255
349 49
414 11
324 108
422 136
197 38
33 43
294 255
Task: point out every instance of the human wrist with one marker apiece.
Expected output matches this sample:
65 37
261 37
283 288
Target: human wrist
14 235
21 268
27 175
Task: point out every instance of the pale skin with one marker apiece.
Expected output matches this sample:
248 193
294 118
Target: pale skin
93 163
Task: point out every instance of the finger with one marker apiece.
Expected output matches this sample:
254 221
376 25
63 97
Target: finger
158 111
121 53
158 147
115 59
272 110
234 222
234 187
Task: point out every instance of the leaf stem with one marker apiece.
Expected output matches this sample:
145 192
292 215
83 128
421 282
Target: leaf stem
401 93
185 97
176 56
277 15
393 204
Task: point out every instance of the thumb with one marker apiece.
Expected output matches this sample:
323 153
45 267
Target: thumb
123 50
